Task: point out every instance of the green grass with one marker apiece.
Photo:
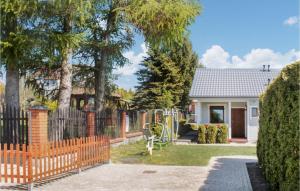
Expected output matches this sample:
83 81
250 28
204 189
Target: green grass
185 155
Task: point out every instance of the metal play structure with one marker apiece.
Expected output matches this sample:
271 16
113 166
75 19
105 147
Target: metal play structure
168 119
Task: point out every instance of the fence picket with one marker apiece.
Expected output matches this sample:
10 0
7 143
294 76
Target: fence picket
1 161
24 162
30 177
60 155
18 162
5 162
45 156
35 154
41 161
64 155
11 161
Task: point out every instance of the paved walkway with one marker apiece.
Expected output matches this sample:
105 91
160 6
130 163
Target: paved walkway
222 173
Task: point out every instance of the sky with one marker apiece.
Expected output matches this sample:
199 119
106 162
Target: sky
234 34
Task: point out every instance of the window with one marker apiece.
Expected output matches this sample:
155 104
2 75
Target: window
254 112
216 114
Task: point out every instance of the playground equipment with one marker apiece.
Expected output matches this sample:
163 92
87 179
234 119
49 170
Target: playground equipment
169 120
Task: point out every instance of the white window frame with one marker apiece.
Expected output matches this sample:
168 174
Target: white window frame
251 112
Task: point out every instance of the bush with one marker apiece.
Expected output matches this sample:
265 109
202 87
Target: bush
193 126
211 133
202 134
278 137
156 129
222 134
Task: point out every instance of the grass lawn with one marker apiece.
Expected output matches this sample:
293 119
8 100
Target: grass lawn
186 155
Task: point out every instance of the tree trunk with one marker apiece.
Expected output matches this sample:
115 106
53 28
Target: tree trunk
12 72
65 89
12 87
100 82
101 64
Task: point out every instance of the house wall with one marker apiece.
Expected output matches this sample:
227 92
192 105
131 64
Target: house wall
202 112
253 124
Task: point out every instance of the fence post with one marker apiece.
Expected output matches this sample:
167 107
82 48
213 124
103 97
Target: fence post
123 124
38 130
90 123
143 119
78 142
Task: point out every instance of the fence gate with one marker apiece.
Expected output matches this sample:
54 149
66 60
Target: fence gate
66 124
13 125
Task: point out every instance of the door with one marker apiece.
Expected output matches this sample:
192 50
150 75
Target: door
238 122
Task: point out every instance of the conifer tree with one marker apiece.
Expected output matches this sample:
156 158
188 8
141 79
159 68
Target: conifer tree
160 22
187 61
166 77
57 27
158 82
15 43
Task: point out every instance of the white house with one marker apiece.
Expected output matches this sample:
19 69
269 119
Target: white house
230 96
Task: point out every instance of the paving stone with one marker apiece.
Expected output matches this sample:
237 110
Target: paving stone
222 174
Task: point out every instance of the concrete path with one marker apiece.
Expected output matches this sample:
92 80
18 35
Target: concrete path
222 173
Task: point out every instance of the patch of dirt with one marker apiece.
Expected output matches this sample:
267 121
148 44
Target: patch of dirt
257 179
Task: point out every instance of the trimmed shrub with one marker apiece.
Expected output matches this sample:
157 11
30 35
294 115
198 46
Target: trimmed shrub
202 134
156 129
222 134
211 133
278 137
193 126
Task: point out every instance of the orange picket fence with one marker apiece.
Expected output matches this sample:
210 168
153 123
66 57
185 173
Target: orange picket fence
28 164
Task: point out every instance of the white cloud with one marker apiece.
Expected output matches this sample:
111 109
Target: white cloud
291 21
217 57
135 59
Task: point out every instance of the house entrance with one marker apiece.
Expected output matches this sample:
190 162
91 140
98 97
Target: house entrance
238 123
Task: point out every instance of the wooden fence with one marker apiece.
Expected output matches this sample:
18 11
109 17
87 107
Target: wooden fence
66 124
108 122
134 118
13 125
34 163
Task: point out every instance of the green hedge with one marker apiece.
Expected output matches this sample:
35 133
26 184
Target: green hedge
278 137
222 135
212 133
202 134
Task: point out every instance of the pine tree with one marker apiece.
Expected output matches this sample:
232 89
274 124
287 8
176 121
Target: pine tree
187 61
158 82
161 23
166 77
15 43
57 27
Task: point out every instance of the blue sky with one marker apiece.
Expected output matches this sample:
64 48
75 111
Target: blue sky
235 33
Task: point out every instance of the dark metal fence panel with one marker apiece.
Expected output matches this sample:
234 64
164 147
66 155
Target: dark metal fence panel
66 124
108 122
134 121
13 125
